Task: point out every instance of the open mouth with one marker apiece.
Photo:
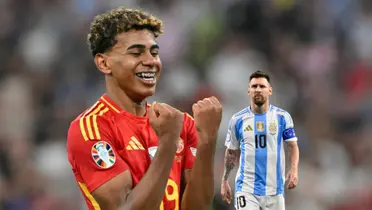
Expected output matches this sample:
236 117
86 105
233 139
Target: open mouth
148 77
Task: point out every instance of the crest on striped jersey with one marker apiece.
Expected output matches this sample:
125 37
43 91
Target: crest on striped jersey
260 126
103 154
273 127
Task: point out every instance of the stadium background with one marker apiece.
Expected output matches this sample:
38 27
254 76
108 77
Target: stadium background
319 53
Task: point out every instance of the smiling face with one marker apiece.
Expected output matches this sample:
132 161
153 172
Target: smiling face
259 90
133 63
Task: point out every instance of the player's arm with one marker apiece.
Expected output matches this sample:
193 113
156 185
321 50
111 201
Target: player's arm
231 159
199 190
290 138
232 152
294 154
232 155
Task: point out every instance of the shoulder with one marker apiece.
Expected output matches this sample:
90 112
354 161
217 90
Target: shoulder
280 111
286 116
92 124
240 115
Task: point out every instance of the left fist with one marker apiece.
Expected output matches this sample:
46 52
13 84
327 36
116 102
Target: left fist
207 114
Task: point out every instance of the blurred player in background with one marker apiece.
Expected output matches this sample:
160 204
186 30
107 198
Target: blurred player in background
256 134
126 154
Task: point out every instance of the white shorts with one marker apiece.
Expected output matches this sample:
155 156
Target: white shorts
249 201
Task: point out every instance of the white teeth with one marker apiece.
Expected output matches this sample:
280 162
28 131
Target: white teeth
145 74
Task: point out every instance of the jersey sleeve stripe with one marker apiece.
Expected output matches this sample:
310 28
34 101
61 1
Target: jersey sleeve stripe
90 130
95 124
97 110
81 122
82 129
88 123
86 192
110 105
103 111
90 109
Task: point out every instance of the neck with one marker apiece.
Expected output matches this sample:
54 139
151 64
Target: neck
259 109
116 94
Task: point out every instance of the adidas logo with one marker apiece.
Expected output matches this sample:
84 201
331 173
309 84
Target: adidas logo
134 144
248 128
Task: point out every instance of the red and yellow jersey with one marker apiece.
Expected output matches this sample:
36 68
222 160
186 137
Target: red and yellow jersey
105 140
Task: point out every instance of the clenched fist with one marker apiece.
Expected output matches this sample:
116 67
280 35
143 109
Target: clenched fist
207 114
166 121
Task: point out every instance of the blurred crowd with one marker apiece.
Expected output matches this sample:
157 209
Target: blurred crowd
318 53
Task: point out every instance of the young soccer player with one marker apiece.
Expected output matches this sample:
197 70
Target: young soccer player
126 154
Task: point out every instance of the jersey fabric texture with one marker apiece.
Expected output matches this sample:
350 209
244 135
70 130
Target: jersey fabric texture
260 139
105 141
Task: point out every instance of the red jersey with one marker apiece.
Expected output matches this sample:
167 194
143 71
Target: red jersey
105 141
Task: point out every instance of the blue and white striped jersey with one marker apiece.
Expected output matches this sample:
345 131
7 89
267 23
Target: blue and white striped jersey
260 139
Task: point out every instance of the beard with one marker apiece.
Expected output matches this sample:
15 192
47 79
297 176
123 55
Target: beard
259 100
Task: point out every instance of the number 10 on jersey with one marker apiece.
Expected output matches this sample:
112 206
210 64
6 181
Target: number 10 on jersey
260 141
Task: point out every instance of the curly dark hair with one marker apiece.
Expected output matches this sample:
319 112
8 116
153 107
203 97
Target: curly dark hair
105 27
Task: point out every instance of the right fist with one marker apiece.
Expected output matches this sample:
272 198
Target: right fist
165 120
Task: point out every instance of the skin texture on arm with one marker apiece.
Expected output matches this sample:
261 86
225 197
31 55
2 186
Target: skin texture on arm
200 187
231 159
294 155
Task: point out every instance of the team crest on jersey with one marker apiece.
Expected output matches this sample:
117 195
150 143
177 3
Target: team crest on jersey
260 126
273 127
180 145
103 154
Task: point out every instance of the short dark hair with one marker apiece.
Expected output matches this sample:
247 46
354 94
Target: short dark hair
259 74
105 27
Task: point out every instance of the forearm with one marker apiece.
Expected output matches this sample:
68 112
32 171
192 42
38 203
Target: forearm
231 158
199 190
149 192
294 155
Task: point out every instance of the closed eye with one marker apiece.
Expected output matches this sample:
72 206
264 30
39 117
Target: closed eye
135 54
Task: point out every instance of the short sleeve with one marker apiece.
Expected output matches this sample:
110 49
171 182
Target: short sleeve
191 143
289 132
231 141
94 159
